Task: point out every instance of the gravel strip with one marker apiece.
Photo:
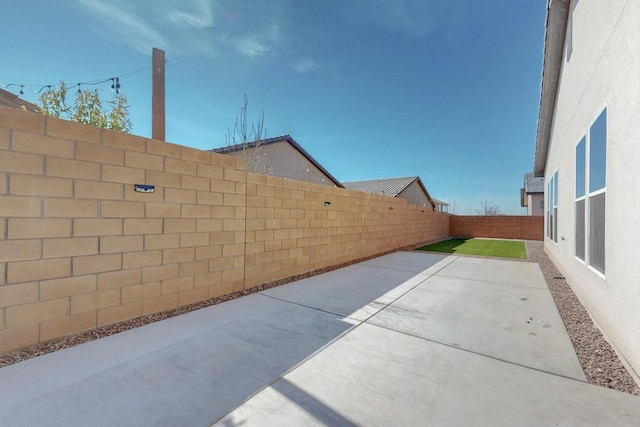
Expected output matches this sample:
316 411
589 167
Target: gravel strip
599 361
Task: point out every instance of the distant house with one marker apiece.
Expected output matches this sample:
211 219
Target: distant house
532 195
440 205
411 189
8 99
588 151
281 156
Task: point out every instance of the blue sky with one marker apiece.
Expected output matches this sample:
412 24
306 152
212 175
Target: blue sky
447 90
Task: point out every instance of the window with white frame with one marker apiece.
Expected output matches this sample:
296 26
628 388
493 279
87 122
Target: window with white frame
552 208
590 201
549 212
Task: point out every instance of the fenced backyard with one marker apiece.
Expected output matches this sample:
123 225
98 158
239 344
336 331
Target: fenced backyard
81 248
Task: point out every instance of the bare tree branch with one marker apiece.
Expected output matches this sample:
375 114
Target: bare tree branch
488 208
249 137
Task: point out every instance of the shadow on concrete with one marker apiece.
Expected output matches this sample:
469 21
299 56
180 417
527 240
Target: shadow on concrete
195 368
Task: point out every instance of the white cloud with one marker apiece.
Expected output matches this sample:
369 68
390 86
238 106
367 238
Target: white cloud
200 16
413 18
251 46
125 25
258 42
200 27
305 65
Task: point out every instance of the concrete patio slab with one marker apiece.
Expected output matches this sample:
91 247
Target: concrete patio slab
415 262
353 288
497 271
377 377
371 344
383 301
517 324
187 370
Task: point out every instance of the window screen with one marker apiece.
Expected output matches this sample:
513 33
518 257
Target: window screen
596 231
580 165
580 224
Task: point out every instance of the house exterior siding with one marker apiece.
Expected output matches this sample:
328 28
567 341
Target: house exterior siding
286 162
535 204
415 195
600 76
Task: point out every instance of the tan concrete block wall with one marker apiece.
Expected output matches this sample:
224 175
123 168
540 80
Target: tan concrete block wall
290 229
79 248
500 226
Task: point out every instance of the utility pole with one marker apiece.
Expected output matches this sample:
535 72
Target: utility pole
157 98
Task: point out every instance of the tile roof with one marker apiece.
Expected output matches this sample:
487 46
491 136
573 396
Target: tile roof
274 140
388 187
439 202
8 99
533 184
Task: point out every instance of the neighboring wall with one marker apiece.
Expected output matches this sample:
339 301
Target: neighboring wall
283 160
498 226
415 195
602 71
535 204
79 248
290 229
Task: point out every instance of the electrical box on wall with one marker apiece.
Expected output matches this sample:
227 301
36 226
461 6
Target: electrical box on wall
143 188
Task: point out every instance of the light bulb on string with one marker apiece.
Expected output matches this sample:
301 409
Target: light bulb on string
115 83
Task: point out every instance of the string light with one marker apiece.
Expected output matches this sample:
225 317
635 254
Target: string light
38 88
115 84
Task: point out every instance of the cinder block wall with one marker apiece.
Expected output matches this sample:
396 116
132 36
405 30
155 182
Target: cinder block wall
499 226
79 248
294 226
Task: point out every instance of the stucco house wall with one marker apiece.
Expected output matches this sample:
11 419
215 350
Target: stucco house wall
415 195
283 160
287 162
535 204
600 69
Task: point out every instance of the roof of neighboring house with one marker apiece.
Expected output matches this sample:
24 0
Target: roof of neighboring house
274 140
533 184
439 202
387 187
8 99
556 26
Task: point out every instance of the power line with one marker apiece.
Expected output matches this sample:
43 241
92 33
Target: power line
38 88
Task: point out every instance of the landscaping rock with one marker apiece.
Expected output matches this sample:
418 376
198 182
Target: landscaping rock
599 361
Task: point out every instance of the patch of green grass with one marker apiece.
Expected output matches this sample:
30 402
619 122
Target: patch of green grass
447 246
482 247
